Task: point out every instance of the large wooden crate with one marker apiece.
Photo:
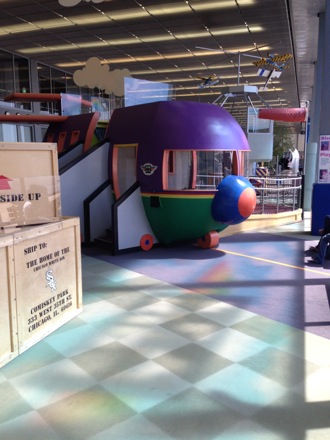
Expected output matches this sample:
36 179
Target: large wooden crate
8 321
29 183
43 290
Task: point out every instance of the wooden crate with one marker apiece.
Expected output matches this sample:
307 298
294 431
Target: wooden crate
29 183
48 279
43 287
8 316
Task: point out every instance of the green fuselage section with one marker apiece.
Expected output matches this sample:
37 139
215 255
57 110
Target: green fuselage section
178 218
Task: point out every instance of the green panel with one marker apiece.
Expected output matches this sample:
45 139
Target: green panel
176 219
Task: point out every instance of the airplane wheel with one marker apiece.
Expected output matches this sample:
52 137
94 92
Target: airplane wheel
146 242
210 240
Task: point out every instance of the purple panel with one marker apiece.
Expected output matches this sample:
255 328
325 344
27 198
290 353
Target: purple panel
193 125
173 125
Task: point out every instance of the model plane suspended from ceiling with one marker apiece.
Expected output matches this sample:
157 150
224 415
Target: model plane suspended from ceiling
277 62
207 81
237 53
270 75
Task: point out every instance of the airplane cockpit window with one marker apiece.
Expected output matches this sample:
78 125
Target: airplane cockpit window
212 167
123 168
184 169
179 170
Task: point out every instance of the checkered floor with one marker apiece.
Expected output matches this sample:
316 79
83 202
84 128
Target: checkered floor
150 360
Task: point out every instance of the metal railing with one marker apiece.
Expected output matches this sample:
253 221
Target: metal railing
281 193
277 194
209 181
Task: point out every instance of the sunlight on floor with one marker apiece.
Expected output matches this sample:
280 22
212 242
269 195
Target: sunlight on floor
147 359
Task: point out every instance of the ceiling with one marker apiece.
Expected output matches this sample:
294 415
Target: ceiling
158 41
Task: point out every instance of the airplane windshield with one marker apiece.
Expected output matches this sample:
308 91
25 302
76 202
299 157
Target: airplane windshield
212 167
196 169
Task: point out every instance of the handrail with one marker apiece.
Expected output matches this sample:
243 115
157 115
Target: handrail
83 155
115 208
87 203
277 194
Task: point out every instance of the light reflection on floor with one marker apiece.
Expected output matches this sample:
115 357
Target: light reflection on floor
150 360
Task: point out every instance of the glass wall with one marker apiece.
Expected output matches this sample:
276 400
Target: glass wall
14 76
51 80
21 75
15 133
71 87
6 74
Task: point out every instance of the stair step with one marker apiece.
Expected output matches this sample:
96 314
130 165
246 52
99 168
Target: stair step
103 241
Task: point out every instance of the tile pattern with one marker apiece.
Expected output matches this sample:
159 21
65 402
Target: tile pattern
266 273
150 360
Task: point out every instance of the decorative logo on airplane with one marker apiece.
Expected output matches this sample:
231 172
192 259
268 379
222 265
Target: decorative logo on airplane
148 169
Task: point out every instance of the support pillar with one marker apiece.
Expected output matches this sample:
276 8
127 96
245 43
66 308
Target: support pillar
310 174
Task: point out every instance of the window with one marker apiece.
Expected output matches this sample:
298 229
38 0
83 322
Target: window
44 86
53 81
123 168
21 75
185 169
14 76
6 74
22 79
58 81
256 125
179 170
212 167
71 87
171 162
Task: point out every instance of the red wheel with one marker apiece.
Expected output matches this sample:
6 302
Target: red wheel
210 240
146 242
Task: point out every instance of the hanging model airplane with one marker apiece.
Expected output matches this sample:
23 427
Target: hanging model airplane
237 53
208 81
270 75
243 90
274 60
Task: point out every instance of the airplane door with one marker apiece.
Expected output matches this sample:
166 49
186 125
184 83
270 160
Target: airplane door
123 168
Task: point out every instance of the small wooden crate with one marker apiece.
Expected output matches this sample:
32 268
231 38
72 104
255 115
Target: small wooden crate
29 184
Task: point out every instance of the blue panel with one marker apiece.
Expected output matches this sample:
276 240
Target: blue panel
320 206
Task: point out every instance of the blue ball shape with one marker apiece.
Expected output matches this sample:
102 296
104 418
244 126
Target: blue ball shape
234 201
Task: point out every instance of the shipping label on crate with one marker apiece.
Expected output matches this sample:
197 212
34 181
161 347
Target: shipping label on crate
29 184
47 279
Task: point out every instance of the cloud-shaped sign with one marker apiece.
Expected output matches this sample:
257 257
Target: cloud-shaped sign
97 75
